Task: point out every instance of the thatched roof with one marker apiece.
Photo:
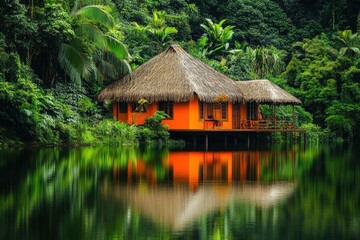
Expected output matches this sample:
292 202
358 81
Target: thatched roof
172 75
264 91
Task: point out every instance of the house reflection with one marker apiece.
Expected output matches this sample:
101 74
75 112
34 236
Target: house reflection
201 183
194 168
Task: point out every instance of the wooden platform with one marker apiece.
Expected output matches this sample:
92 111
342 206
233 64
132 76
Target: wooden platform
223 134
218 130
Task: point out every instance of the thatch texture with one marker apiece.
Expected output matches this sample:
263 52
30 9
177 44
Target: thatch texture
264 91
172 75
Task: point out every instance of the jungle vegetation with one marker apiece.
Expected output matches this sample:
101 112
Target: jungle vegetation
55 55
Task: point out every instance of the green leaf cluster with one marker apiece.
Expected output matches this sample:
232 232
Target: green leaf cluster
327 78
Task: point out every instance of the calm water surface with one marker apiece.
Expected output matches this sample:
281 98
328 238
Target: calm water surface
277 192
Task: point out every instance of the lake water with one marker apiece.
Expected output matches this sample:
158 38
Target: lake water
271 192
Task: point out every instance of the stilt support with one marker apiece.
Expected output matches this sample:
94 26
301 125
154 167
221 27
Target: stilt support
206 142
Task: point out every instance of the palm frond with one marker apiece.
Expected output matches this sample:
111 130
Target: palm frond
355 49
97 13
116 47
105 59
107 69
121 65
74 62
92 33
170 30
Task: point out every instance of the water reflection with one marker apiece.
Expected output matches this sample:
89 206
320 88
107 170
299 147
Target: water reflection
177 206
128 193
223 176
194 167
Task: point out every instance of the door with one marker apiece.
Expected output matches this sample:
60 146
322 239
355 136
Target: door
236 116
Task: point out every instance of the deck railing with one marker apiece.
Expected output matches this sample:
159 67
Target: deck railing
267 124
253 124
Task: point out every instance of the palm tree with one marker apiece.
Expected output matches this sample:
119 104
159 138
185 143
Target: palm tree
267 61
95 52
350 42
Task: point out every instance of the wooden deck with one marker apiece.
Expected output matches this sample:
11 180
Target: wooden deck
264 125
219 133
219 130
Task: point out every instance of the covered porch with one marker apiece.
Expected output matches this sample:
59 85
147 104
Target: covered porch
266 106
248 116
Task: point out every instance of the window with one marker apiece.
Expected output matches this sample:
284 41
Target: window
168 108
210 111
122 107
224 110
252 111
135 107
213 110
201 110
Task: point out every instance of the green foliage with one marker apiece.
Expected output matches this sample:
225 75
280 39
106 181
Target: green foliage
258 22
327 82
216 38
95 26
350 41
315 134
247 63
268 61
18 29
156 32
54 27
154 130
110 132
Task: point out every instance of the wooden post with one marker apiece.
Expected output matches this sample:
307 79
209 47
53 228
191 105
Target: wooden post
293 115
206 142
293 165
275 115
248 141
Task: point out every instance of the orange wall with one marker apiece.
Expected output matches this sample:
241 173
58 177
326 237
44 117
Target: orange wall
243 112
180 120
117 115
228 124
186 115
194 118
196 123
181 116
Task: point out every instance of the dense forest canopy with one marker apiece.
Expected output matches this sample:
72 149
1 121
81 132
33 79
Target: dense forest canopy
55 55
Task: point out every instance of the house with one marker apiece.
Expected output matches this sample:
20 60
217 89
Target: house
192 94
